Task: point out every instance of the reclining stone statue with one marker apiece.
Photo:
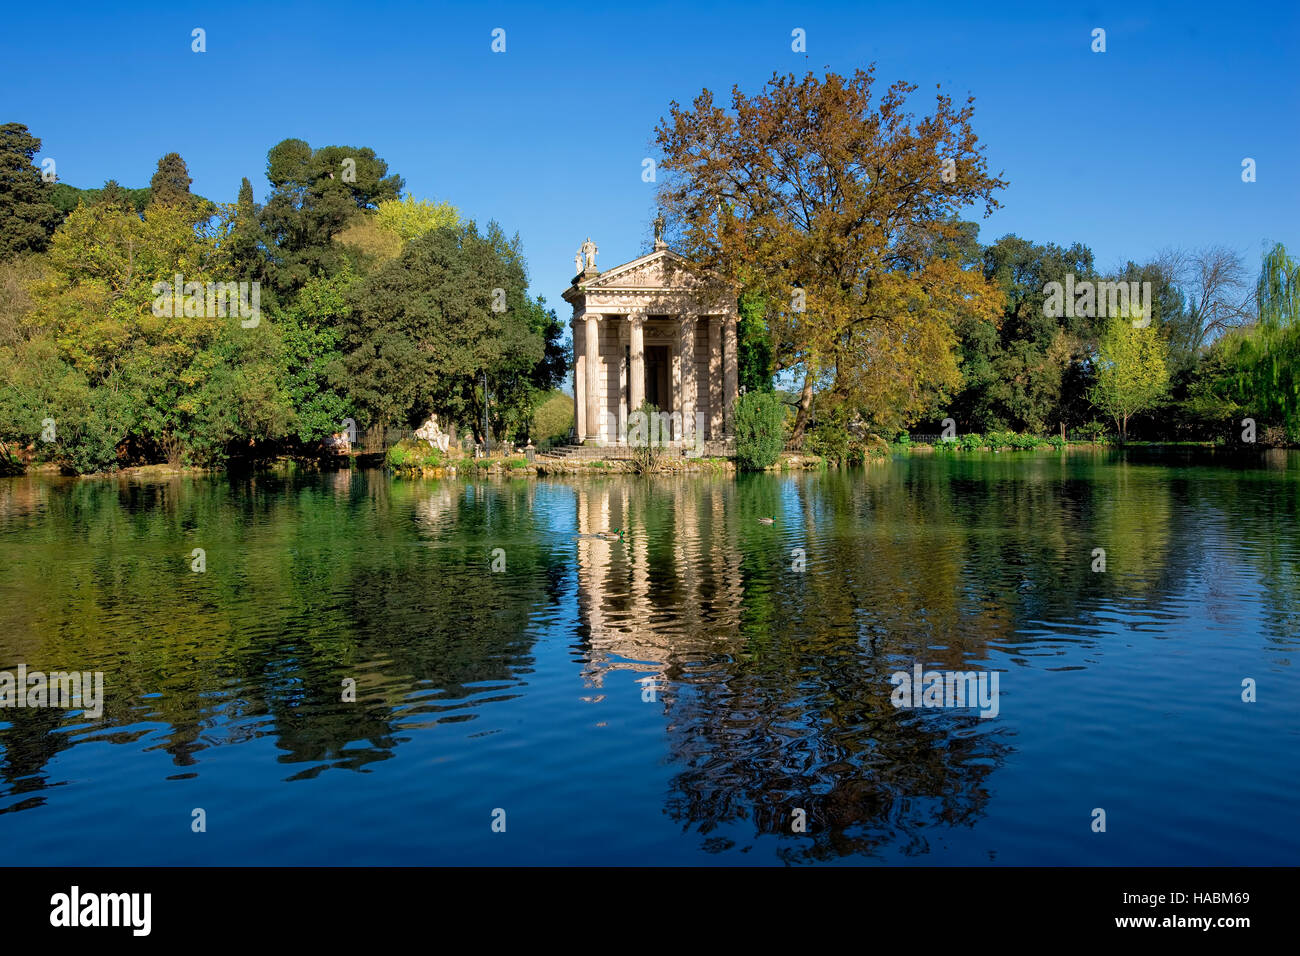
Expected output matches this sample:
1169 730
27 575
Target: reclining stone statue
431 433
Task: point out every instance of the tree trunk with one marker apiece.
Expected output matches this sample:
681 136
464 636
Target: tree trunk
801 415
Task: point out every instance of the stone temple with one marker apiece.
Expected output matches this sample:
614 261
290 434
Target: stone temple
659 329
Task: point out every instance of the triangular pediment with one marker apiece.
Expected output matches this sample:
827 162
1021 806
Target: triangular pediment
660 280
661 269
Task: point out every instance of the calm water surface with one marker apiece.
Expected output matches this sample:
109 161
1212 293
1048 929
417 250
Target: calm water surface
523 689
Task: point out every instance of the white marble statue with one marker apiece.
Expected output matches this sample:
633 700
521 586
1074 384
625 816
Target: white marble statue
431 433
589 250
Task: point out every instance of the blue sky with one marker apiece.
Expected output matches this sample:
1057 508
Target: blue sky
1130 151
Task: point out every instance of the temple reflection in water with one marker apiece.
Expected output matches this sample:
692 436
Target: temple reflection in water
773 683
669 591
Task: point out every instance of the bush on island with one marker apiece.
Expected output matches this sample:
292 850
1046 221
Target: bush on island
759 421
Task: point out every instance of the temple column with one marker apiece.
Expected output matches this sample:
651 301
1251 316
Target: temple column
579 383
729 370
715 377
624 378
688 376
636 384
675 380
595 394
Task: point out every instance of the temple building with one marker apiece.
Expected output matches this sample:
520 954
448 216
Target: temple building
659 329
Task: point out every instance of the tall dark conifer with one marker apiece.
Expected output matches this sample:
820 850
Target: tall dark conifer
27 217
171 182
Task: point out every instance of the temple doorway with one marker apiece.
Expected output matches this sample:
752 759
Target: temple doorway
657 366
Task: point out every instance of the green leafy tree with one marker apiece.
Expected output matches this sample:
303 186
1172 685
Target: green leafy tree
374 237
135 382
1213 396
754 343
1268 355
521 384
17 276
367 245
99 297
38 386
27 215
1168 308
411 218
314 195
314 379
1024 370
1132 369
66 198
426 328
1253 371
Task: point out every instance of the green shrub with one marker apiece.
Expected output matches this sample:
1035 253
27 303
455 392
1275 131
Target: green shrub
412 453
1094 431
647 452
92 421
971 441
829 439
1057 442
759 422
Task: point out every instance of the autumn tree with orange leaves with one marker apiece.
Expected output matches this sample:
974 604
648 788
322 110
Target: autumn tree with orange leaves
842 210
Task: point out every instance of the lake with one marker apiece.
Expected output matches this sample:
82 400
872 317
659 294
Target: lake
358 669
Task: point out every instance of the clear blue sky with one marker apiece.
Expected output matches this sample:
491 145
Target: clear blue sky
1129 151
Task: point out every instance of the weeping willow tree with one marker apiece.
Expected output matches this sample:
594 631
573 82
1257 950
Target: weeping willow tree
1268 366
